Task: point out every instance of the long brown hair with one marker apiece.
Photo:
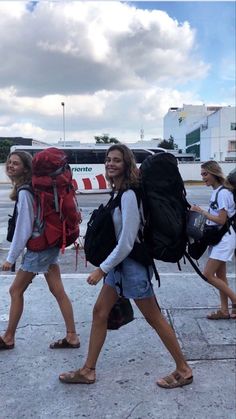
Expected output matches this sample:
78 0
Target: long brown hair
213 167
131 173
26 177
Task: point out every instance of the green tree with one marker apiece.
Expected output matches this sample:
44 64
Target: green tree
168 144
105 139
5 146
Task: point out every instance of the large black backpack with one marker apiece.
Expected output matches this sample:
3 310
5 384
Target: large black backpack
165 207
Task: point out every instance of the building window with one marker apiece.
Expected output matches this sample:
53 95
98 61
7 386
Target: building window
232 146
233 126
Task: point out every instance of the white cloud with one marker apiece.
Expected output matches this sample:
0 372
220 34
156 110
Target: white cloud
116 67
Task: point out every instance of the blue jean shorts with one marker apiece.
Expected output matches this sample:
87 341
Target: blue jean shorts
39 262
134 278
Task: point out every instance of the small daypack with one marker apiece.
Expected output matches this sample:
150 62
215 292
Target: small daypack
57 216
120 314
100 237
12 218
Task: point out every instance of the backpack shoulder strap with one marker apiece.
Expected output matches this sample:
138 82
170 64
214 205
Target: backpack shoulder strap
114 202
195 267
25 187
215 202
220 189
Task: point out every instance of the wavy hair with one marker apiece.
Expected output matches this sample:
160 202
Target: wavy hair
131 173
213 167
26 177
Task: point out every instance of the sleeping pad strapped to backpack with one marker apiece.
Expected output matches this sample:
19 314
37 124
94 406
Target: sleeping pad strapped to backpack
57 216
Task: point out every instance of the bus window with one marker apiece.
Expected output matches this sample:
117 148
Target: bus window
141 155
100 156
86 156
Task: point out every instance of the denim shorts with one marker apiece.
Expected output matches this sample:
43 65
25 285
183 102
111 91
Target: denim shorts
134 278
39 262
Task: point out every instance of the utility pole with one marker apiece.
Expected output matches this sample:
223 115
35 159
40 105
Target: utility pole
142 134
63 118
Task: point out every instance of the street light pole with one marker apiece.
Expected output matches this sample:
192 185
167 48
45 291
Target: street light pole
63 115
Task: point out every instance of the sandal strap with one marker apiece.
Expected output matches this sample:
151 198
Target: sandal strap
92 369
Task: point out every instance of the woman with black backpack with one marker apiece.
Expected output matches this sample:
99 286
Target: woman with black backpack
221 208
120 270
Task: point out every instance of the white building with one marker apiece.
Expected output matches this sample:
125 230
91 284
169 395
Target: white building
178 121
214 137
207 131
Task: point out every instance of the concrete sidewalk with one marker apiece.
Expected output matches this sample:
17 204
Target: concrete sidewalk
131 360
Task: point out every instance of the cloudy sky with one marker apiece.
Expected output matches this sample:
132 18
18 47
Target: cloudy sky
117 66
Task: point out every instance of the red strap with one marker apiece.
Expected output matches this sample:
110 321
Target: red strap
63 237
60 207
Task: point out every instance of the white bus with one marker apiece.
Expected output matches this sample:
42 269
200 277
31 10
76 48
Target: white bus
87 163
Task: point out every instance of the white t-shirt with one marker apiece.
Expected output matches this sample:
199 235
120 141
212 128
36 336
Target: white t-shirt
225 200
224 250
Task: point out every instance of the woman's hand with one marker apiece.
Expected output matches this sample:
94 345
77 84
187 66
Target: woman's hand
6 266
95 276
196 208
219 219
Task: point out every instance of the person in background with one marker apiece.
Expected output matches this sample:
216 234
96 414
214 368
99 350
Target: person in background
122 173
19 170
220 254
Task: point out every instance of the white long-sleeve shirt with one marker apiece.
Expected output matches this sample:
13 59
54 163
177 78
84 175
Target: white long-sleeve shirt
24 225
127 222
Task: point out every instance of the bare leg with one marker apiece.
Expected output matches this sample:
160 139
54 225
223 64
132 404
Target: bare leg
212 268
53 278
17 289
154 317
221 273
102 308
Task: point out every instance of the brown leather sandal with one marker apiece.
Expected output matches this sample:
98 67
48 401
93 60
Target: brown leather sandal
218 315
75 377
4 346
63 344
174 380
233 312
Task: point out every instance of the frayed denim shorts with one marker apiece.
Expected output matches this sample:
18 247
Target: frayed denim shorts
133 278
39 262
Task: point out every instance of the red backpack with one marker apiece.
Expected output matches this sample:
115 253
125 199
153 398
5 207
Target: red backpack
57 216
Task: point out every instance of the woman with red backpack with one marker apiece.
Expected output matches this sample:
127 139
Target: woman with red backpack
19 170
